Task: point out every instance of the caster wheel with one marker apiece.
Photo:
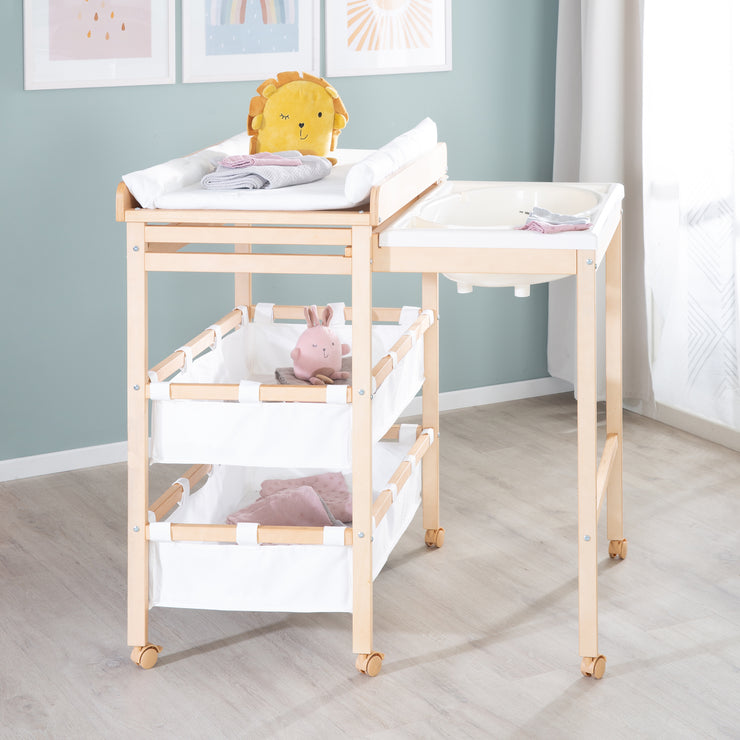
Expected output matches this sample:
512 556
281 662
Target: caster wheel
618 549
594 666
434 538
369 663
146 657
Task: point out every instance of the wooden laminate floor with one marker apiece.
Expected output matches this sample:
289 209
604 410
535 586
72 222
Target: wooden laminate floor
480 637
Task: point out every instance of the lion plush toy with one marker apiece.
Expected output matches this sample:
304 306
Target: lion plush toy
295 113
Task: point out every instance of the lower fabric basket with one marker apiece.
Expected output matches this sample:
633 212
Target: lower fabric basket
282 578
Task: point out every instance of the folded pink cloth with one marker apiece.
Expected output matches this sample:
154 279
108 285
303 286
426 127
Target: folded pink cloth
237 161
545 228
301 506
330 487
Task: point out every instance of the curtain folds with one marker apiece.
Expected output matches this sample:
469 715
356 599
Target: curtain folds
598 122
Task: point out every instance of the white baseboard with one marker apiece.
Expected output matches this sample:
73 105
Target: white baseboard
62 461
88 457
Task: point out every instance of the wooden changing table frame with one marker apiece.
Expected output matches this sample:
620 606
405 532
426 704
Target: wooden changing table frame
154 240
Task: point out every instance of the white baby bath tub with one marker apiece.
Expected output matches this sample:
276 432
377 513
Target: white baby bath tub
491 214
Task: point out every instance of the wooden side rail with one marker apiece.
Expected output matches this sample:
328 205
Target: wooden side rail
401 348
172 496
403 472
608 456
266 535
207 234
254 262
267 393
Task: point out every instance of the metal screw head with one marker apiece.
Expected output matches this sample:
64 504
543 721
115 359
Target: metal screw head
360 534
587 537
136 529
361 392
589 261
136 387
136 249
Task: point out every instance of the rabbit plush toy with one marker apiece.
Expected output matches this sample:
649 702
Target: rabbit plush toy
317 356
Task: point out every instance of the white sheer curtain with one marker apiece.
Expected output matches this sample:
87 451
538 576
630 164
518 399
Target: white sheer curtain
692 204
598 121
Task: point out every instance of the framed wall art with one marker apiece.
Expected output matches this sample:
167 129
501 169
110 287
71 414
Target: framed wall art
98 43
365 37
225 40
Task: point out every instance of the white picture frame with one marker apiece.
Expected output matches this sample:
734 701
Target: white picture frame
74 43
364 37
252 48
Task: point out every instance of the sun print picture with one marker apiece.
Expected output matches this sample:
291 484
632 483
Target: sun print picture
389 24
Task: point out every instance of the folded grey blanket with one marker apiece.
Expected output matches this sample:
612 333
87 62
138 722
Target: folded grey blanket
259 176
286 376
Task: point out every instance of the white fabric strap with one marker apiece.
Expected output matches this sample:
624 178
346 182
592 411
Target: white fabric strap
412 461
188 352
393 488
336 394
246 533
217 336
337 318
334 536
151 516
263 313
160 532
430 433
249 391
158 390
428 312
394 358
407 435
374 384
185 483
245 314
411 335
409 314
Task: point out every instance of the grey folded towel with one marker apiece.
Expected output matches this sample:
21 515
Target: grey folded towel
258 177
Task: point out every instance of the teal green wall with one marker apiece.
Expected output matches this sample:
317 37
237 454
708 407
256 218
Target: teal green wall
62 375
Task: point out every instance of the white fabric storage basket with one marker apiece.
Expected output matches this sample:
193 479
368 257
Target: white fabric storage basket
282 578
310 435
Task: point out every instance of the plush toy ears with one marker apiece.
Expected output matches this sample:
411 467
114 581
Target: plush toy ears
312 316
328 313
339 121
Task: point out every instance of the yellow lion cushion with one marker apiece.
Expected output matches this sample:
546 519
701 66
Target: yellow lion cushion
295 112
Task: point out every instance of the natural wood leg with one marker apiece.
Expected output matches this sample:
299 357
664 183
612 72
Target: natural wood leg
587 462
242 280
138 439
613 334
430 408
362 495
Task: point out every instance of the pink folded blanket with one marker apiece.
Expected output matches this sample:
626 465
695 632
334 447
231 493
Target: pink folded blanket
301 506
331 487
261 158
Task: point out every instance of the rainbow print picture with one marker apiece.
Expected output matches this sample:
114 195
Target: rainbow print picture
248 39
387 36
97 43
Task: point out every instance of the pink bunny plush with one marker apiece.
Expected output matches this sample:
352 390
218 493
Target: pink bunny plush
317 356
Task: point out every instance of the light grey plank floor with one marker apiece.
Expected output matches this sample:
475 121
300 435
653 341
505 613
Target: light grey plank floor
480 637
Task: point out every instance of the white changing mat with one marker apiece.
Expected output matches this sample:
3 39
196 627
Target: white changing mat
176 184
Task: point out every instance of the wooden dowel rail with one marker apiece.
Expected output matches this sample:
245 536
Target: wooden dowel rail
277 393
202 342
266 535
402 347
608 456
173 494
400 477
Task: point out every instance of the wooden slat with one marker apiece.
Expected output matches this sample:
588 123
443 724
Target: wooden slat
284 313
349 217
266 535
399 188
430 402
284 264
195 234
608 456
277 393
475 259
124 201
